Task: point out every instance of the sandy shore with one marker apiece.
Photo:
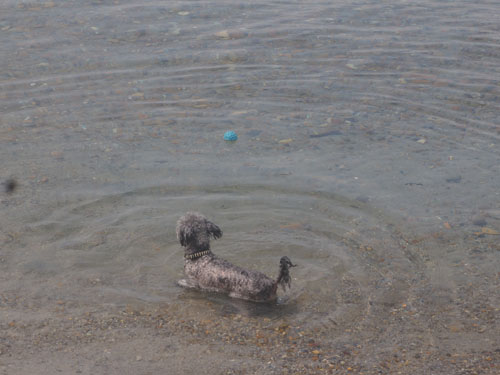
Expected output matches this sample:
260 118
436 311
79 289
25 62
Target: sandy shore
157 340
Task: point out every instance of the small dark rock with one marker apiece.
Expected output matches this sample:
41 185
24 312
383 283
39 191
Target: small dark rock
10 185
454 180
253 133
362 199
479 221
325 134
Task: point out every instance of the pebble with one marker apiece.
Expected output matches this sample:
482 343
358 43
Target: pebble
492 232
454 180
230 34
222 34
10 186
480 221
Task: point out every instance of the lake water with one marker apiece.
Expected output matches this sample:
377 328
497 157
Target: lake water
368 152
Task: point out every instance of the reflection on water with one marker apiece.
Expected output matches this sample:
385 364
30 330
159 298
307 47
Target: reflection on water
367 152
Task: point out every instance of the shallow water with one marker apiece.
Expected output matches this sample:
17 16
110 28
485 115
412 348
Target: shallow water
368 153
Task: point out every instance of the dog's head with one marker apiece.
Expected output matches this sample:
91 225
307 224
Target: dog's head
194 231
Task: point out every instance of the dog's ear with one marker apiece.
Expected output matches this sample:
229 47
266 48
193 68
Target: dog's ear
213 230
184 234
181 236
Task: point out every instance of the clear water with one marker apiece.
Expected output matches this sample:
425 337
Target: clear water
368 153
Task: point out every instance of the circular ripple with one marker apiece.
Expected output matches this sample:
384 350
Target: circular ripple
121 248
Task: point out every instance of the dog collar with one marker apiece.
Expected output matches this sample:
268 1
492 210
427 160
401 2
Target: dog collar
197 255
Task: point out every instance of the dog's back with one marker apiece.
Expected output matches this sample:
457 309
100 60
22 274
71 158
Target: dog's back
212 273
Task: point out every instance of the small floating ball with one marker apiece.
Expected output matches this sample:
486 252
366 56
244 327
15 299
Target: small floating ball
230 136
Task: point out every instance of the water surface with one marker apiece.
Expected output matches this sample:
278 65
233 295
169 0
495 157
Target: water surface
368 153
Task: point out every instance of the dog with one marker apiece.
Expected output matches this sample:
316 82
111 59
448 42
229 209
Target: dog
207 272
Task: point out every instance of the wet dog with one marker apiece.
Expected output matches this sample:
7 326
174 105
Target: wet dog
205 271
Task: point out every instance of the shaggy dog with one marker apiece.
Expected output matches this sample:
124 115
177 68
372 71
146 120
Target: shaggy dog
207 272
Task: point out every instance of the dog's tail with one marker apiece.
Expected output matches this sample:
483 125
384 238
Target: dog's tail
284 278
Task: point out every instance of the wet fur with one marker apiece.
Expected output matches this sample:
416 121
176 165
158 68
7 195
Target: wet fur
211 273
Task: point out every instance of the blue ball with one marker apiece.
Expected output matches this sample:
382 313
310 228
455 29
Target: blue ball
230 136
